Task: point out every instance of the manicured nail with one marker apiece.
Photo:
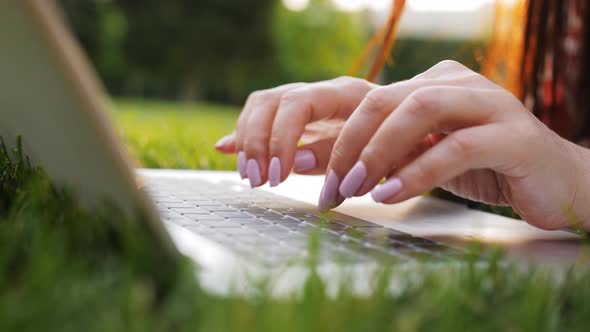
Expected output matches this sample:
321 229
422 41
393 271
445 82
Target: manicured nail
353 180
242 164
387 190
274 172
329 192
253 173
223 141
304 161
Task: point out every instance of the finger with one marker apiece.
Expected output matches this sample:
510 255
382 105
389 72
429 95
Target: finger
254 131
227 144
369 116
313 158
371 113
250 105
241 123
334 99
310 159
426 144
462 151
365 120
428 110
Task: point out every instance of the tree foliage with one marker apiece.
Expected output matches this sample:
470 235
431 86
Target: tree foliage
318 42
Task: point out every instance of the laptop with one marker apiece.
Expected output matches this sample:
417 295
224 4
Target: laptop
50 96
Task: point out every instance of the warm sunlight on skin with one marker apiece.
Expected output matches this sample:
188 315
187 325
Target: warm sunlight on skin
415 5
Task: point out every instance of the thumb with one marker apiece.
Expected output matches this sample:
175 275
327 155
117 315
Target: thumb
227 144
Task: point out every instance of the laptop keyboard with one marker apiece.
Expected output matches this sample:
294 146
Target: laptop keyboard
273 229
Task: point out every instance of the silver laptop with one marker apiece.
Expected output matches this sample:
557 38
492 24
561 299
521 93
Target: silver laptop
50 96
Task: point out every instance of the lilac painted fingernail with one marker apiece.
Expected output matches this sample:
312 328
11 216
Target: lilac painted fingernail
387 190
353 180
274 172
329 192
223 141
304 161
242 164
253 172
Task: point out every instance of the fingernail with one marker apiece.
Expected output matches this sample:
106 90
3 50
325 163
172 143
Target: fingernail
223 141
353 180
329 192
304 161
242 164
387 190
253 172
274 172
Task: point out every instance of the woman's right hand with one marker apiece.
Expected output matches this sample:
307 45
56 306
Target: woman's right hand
274 121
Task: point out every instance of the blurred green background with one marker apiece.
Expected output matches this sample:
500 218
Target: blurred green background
220 51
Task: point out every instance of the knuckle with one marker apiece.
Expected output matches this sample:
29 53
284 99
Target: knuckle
449 65
344 79
275 143
255 144
294 96
254 96
423 102
351 81
422 176
339 151
372 154
463 145
374 101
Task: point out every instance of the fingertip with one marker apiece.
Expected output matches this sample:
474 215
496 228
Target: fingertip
253 171
305 160
329 197
242 164
353 181
387 191
226 144
274 172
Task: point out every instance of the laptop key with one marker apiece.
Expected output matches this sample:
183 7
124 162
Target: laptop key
191 210
219 224
217 208
200 217
240 231
249 221
232 215
180 204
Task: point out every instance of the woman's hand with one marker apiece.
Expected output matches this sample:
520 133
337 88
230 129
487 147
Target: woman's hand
452 128
274 121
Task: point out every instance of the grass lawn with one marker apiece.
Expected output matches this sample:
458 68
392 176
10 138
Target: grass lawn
63 268
168 135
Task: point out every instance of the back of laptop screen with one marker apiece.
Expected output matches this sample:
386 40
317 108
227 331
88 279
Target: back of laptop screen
49 96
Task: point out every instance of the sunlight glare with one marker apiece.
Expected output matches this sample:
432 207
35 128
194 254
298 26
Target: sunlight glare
356 5
296 5
446 6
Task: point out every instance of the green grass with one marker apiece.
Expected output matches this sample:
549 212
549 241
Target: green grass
63 268
168 135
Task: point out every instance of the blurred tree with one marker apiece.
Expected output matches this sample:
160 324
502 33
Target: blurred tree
194 43
317 43
84 19
100 26
223 50
412 56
